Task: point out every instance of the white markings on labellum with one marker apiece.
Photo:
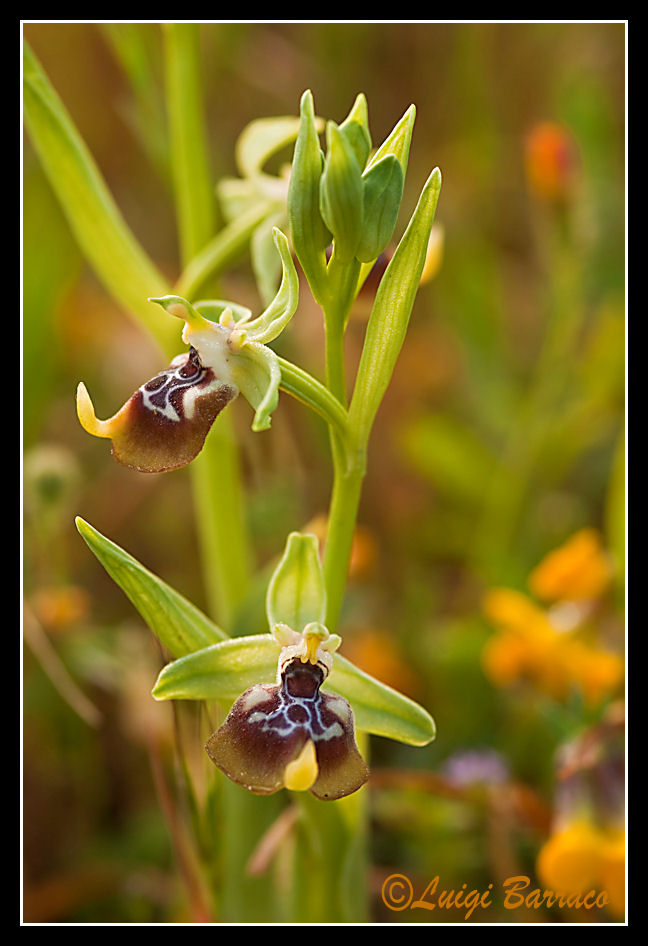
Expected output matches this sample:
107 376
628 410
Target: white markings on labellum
173 392
300 704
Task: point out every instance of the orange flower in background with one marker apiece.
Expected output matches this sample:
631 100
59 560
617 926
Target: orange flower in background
583 856
532 644
576 571
551 161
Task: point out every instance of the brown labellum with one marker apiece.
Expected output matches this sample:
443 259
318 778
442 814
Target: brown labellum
269 726
164 423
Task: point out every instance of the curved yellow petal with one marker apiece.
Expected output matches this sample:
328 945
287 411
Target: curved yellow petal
301 773
87 417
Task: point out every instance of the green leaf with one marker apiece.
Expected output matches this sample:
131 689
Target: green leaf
296 593
224 671
391 312
341 193
97 224
179 625
383 192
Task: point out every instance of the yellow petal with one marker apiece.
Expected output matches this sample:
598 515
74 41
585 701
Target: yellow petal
87 417
301 773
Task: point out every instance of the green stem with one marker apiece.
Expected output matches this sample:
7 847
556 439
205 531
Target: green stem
219 504
348 477
193 189
342 286
226 247
331 861
218 494
218 491
302 386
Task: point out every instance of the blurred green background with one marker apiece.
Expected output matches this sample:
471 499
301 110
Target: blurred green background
499 439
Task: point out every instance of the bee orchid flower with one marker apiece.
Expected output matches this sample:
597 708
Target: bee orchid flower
289 734
163 425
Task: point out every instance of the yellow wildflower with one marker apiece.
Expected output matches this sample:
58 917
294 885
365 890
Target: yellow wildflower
583 856
527 646
578 570
571 860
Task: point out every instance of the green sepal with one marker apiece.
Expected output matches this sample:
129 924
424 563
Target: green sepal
309 235
341 193
178 624
223 671
272 322
238 196
296 594
261 139
257 375
212 309
355 129
266 265
377 708
383 192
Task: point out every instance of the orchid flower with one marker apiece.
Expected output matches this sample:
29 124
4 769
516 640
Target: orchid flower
289 734
163 425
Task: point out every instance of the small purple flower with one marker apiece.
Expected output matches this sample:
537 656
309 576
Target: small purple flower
476 766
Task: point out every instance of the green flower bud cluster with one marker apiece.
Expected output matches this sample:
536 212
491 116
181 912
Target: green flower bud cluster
348 197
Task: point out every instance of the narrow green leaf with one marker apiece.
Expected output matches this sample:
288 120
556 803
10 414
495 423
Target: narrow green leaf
391 312
296 594
224 671
96 222
178 624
